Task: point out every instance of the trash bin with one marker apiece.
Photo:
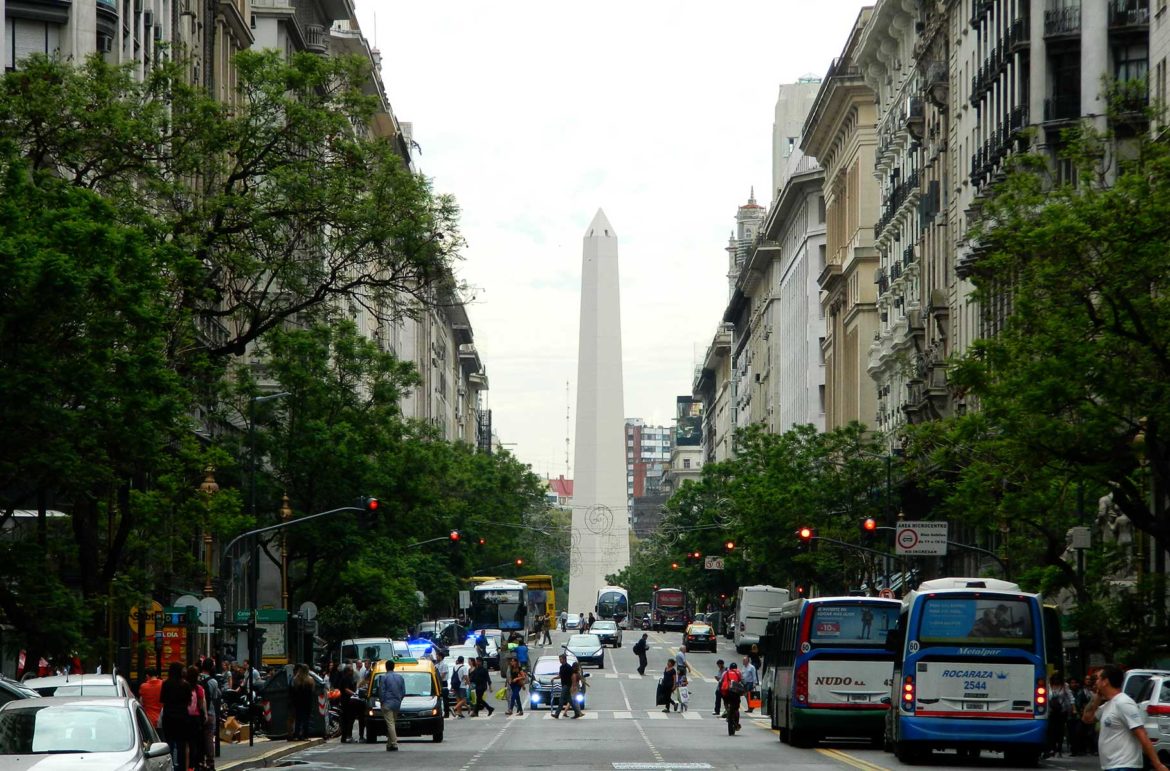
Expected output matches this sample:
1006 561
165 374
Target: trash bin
275 709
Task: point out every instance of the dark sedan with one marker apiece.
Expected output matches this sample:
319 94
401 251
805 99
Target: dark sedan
545 688
699 636
587 649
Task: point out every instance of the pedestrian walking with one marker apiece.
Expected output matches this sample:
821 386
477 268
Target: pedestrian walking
564 621
546 638
1059 706
176 695
214 697
347 684
1123 737
482 680
391 692
515 686
664 696
751 680
150 696
196 719
459 683
719 670
589 622
581 628
302 695
640 651
1076 728
521 655
578 686
732 688
684 693
565 673
443 670
680 659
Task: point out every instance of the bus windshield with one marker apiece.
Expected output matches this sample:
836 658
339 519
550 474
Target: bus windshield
956 620
611 604
497 609
853 625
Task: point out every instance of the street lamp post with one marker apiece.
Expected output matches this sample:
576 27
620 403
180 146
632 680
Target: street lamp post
208 488
254 566
285 516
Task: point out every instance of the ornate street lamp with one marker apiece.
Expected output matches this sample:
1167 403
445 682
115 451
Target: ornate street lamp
207 489
285 515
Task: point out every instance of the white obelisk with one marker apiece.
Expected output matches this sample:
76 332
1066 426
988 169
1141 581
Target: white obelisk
601 522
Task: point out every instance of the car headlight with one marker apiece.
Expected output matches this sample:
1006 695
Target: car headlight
536 698
434 712
580 698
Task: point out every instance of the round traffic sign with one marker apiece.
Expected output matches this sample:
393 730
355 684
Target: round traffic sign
886 594
907 538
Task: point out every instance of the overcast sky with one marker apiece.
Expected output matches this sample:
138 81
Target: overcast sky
535 114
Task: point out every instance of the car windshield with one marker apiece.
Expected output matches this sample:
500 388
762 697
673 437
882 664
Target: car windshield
604 626
584 641
64 729
466 651
547 667
417 683
700 629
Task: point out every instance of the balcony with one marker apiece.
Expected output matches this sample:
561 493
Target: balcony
1017 37
908 256
1062 107
316 38
1061 22
1129 14
882 281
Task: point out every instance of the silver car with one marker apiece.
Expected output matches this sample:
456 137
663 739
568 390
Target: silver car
79 685
97 734
609 632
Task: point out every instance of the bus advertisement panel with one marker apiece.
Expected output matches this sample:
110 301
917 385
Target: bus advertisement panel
826 668
972 670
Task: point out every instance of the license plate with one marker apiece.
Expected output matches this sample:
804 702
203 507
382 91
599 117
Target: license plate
858 697
974 705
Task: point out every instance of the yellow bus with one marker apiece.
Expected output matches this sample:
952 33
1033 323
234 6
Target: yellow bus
541 597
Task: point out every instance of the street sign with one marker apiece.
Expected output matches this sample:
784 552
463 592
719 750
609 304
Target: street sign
464 599
918 539
713 563
886 594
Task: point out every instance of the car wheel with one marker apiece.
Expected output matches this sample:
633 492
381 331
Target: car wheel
437 737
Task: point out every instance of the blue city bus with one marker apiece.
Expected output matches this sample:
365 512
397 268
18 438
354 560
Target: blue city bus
826 669
970 671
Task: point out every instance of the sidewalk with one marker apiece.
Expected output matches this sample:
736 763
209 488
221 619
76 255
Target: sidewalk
262 754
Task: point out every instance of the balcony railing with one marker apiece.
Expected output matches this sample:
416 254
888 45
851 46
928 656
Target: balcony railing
1062 21
1018 35
1129 13
316 38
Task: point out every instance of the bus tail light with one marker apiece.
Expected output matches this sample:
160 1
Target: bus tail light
801 690
908 693
1158 709
1041 696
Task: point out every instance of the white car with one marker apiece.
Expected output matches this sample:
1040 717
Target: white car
1154 705
97 734
572 622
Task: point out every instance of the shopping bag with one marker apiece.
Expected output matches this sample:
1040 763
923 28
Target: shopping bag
753 703
502 694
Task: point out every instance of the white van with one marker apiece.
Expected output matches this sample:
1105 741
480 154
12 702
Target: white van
371 649
752 604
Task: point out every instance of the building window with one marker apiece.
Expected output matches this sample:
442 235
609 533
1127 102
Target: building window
791 147
1131 62
820 210
686 462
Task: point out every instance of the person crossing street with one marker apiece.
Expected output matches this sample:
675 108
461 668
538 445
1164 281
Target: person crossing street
640 651
566 676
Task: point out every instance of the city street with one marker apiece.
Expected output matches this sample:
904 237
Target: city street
622 729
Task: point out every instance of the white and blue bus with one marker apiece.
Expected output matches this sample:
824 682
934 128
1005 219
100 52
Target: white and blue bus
500 604
613 604
826 668
970 671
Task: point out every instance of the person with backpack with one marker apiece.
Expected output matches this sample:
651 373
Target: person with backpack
459 681
640 651
1060 704
731 688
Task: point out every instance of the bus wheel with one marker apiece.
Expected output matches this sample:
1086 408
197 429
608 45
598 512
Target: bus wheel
801 737
906 753
1022 758
878 740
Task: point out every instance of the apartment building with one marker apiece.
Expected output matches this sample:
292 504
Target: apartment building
841 134
712 387
647 455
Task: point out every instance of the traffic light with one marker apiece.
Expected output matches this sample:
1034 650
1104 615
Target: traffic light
482 541
868 530
655 587
730 545
371 505
799 591
805 535
519 562
455 536
674 566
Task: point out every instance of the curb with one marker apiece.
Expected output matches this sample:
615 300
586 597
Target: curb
265 760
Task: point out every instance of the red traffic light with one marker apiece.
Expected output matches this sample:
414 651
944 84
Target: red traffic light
800 591
805 533
869 524
674 565
371 504
519 562
729 545
482 541
455 536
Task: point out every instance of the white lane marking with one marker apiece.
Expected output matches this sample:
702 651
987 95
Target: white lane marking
611 676
657 715
475 758
567 716
653 750
619 715
625 696
692 715
634 676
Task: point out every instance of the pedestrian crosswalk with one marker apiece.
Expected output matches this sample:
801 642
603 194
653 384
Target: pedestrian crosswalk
606 714
636 676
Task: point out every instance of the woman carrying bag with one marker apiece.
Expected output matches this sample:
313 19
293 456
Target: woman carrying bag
664 696
515 686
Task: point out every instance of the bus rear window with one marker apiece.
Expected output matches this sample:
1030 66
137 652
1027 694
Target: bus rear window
852 624
976 621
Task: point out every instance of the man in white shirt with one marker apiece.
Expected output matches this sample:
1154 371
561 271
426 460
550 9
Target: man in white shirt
1122 738
751 680
443 670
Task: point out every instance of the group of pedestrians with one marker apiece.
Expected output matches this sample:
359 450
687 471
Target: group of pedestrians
184 707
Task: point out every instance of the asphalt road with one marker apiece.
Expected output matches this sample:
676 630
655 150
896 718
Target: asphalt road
622 729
